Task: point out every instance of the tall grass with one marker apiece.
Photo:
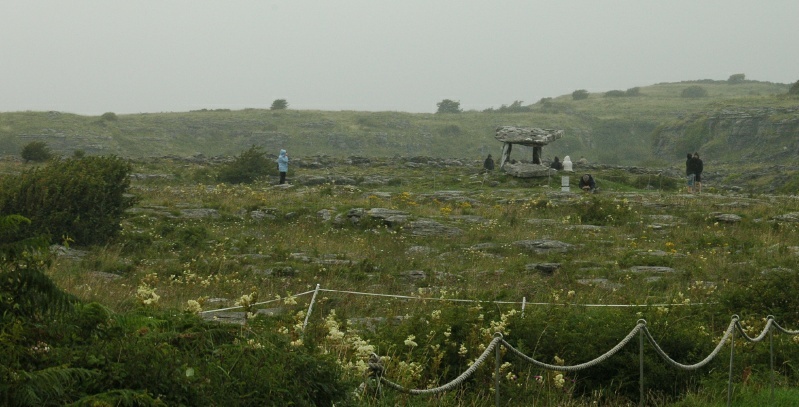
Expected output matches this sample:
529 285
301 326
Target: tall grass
275 242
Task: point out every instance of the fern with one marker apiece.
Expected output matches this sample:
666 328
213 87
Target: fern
50 386
29 293
13 245
119 398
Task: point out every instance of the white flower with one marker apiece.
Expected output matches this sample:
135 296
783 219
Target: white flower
193 306
410 342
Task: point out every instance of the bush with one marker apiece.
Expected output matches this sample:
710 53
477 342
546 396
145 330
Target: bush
636 91
247 167
736 78
794 89
81 199
279 104
615 94
694 91
109 117
36 151
448 106
580 94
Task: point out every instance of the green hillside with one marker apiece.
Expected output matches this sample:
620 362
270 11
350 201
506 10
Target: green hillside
612 127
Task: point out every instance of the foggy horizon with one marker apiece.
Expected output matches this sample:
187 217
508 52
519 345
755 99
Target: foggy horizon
92 57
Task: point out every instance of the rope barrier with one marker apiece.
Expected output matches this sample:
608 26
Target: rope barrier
640 328
524 303
701 363
581 366
257 303
455 382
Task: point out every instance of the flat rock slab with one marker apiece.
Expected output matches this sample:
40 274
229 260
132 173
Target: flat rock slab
728 218
651 269
427 227
543 246
788 217
546 268
527 136
527 170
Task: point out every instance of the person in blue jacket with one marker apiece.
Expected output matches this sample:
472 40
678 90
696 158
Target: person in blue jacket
283 165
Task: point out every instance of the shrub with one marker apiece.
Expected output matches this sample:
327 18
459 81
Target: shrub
636 91
36 151
247 167
279 104
449 106
82 199
580 94
615 94
515 107
736 78
694 91
109 117
794 89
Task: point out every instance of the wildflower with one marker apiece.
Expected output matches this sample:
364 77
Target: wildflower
409 341
194 307
462 351
558 380
255 345
146 294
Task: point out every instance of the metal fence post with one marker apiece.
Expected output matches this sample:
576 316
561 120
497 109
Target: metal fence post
641 367
771 356
496 374
310 308
732 353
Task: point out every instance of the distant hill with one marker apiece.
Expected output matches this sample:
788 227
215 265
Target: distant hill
648 126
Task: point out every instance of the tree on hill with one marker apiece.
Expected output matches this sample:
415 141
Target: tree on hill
279 104
449 106
36 151
794 90
736 78
580 94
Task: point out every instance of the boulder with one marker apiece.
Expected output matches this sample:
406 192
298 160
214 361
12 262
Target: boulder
528 170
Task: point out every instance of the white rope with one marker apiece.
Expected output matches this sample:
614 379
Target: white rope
257 303
524 301
640 327
573 368
701 363
456 381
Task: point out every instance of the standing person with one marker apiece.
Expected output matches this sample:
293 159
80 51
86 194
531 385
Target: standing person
698 168
690 174
567 164
488 164
283 165
557 164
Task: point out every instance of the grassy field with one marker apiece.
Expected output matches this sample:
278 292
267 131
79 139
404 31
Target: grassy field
577 261
609 130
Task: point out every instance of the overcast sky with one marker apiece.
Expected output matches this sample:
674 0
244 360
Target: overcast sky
134 56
